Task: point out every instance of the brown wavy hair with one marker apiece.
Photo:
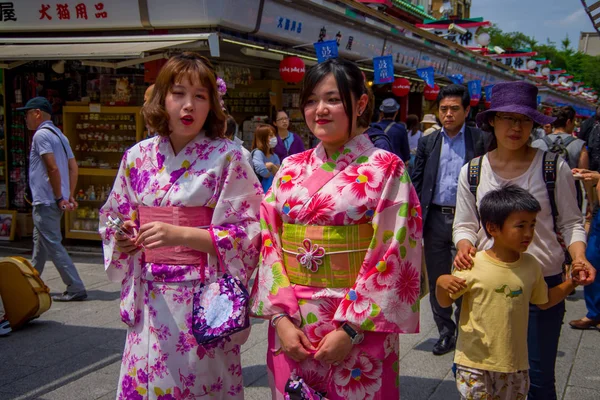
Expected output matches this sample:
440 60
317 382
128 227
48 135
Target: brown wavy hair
261 138
192 66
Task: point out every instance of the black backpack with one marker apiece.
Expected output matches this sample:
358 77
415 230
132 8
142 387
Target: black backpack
549 163
559 146
593 145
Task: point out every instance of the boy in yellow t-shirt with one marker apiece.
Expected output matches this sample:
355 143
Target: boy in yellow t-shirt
491 352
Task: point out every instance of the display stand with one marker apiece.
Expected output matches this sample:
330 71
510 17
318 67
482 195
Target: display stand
99 136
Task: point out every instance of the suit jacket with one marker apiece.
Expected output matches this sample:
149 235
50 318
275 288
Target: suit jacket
424 176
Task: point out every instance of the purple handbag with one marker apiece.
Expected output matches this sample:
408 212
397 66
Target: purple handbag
220 309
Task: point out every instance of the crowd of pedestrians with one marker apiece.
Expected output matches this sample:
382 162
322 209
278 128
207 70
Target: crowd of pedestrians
334 237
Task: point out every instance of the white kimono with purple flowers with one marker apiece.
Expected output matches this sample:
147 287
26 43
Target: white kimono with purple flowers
161 359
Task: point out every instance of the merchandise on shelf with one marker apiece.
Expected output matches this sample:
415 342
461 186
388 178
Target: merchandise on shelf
98 140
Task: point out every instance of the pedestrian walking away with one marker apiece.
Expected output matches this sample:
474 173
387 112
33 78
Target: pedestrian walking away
190 203
395 131
438 161
52 178
545 175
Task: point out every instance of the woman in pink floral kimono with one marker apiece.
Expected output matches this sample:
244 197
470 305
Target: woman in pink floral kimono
191 201
339 274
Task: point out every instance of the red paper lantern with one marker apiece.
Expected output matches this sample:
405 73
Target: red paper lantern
401 87
291 69
488 104
475 102
431 93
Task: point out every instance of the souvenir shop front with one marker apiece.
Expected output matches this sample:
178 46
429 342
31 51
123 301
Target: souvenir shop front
94 59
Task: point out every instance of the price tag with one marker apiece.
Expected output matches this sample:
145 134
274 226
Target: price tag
95 108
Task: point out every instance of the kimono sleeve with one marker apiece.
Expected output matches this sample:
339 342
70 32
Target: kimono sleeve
121 202
385 297
272 293
235 229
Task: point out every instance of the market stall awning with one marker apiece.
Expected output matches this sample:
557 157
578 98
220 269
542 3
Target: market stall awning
134 49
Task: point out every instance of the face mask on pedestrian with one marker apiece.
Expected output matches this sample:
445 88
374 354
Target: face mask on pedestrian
272 142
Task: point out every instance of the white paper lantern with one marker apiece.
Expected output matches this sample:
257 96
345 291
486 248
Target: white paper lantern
545 71
483 39
581 89
595 96
570 83
531 64
562 79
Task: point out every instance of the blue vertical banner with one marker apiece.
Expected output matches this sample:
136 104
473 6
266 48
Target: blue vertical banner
427 74
488 93
457 79
326 50
384 69
474 89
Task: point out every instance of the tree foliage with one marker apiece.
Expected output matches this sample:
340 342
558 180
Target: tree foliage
582 66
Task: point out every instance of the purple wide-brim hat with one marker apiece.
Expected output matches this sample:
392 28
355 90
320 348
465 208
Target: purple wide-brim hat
515 97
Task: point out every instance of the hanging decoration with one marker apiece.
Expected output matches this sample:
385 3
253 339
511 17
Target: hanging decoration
401 87
431 93
292 69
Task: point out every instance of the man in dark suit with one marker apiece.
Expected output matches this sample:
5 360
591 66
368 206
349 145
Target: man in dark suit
440 157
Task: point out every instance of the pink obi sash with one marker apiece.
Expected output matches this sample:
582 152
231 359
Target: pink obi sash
196 217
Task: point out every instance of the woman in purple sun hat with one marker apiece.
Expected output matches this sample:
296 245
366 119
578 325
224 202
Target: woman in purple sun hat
511 160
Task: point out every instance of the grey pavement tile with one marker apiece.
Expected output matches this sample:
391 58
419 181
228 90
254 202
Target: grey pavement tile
446 390
109 396
258 333
9 372
586 369
69 370
422 372
257 393
578 393
254 363
89 387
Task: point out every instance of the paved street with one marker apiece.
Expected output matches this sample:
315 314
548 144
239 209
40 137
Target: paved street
74 350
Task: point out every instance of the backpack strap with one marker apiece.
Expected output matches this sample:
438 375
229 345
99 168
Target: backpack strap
387 128
568 141
550 162
474 174
548 141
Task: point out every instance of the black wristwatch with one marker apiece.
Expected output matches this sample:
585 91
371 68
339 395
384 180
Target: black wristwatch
59 200
355 337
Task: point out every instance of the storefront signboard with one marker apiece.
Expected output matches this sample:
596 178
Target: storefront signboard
64 15
234 14
438 63
405 58
284 23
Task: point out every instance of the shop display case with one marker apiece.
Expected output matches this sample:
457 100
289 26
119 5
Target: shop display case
291 104
98 136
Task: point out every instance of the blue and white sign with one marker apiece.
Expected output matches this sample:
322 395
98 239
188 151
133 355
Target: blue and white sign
474 89
384 69
326 50
427 75
488 92
457 79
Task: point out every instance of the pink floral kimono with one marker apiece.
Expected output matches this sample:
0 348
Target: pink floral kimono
161 359
341 242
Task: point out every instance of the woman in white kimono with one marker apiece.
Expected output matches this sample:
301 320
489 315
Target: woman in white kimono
191 201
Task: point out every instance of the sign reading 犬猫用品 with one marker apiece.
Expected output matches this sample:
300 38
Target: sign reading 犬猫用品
47 15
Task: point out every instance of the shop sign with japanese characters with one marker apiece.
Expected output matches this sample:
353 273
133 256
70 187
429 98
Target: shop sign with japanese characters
280 21
50 15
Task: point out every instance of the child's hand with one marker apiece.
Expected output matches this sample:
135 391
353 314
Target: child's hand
579 273
451 284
